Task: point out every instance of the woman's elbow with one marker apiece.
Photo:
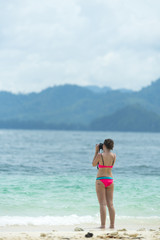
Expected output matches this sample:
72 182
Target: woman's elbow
93 164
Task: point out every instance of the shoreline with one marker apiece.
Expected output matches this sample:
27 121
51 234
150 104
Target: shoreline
65 224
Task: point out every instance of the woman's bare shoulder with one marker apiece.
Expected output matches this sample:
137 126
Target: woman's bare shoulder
114 155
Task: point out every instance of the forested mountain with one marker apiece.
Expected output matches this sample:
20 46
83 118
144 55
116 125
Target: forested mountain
151 96
129 118
97 89
74 107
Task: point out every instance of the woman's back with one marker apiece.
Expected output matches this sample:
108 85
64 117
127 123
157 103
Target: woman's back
107 159
106 163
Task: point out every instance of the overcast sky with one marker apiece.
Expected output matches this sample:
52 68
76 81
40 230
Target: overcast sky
112 43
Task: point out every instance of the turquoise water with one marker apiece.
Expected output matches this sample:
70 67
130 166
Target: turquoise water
46 177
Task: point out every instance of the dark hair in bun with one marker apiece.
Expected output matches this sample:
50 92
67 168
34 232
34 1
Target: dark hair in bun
109 143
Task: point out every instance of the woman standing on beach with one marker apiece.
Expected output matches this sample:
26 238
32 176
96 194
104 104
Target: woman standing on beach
104 181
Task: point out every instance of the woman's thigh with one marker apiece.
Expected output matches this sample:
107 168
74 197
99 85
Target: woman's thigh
100 190
109 194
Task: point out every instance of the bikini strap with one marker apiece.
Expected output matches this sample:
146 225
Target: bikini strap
102 159
113 162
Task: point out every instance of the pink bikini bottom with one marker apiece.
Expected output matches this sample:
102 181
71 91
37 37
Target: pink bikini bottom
105 180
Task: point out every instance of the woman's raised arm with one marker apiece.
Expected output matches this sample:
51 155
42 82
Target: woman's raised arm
97 155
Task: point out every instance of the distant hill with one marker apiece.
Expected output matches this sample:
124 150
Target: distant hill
151 96
97 89
125 90
69 104
129 118
74 107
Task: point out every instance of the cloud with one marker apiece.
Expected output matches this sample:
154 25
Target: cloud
112 43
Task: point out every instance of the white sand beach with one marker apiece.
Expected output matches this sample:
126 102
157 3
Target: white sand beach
77 232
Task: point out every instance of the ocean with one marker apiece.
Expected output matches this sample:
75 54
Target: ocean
47 178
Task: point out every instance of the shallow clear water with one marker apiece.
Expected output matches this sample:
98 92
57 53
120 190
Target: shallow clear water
48 176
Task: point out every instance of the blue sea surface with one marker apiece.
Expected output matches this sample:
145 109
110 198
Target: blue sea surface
46 177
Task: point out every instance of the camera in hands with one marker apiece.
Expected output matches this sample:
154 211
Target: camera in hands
100 146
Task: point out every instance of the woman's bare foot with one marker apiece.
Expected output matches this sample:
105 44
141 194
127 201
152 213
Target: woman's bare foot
101 227
111 226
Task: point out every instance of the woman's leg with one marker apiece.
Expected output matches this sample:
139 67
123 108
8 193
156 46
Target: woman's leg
109 199
100 189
